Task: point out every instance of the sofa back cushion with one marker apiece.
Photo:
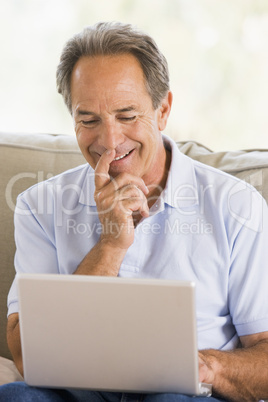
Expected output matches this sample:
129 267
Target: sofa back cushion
249 165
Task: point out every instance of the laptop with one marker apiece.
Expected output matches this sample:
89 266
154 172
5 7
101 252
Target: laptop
109 334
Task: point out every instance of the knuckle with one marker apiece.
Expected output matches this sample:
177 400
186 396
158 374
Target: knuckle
97 196
131 191
107 205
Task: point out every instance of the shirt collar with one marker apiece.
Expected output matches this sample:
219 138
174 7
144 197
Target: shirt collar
181 187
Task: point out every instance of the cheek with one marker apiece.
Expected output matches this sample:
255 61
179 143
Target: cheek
148 123
143 130
149 143
84 138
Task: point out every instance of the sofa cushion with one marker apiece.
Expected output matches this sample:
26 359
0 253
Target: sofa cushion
249 165
8 372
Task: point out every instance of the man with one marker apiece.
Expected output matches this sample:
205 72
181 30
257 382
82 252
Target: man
115 83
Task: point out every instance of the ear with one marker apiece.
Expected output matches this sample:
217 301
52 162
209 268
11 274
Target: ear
164 111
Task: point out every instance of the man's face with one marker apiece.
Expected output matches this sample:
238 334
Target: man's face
113 110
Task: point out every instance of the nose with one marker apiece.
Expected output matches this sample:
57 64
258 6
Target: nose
110 135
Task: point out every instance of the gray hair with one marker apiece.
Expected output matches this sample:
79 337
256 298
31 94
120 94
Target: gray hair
107 39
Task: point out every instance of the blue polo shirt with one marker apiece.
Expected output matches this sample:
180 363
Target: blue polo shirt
207 227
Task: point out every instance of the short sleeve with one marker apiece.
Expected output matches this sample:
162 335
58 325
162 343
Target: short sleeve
248 277
35 245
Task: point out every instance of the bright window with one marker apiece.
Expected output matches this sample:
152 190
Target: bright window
217 52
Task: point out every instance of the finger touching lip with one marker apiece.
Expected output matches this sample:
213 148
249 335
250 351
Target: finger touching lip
102 168
106 158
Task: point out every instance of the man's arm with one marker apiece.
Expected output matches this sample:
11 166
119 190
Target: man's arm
116 201
13 340
239 375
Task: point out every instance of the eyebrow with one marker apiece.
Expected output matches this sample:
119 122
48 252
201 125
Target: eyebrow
88 113
84 113
126 109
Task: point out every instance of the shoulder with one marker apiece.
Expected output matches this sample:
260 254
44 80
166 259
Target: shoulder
186 171
65 187
220 194
74 176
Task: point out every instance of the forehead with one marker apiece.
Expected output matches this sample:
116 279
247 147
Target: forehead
107 77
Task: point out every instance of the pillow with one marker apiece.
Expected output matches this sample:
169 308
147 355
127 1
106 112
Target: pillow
8 372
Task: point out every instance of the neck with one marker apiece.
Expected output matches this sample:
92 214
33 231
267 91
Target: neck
156 189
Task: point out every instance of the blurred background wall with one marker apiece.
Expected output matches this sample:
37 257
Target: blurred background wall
217 52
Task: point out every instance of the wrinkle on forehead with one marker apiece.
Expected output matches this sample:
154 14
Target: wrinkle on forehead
107 80
113 102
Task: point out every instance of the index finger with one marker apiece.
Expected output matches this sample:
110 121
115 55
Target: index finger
102 177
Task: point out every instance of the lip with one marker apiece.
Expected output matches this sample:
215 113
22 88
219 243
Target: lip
123 158
115 164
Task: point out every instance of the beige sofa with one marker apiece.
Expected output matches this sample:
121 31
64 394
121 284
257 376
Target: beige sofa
28 158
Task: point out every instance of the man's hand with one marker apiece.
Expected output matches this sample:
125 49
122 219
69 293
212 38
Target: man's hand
206 373
117 200
239 375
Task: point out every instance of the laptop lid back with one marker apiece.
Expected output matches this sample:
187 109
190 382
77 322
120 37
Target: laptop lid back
106 333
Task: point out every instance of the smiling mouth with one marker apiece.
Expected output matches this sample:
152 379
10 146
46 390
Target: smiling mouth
122 156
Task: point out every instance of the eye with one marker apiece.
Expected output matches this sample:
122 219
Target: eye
89 122
127 118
